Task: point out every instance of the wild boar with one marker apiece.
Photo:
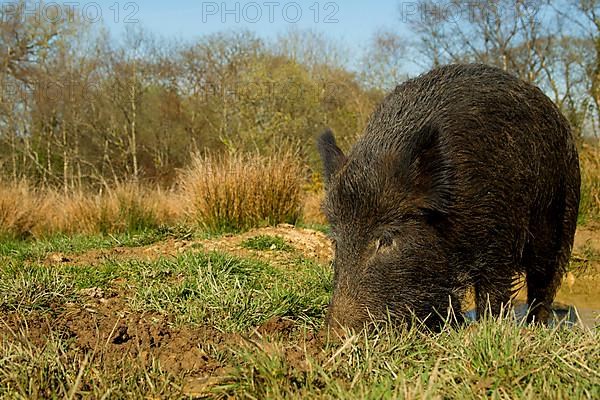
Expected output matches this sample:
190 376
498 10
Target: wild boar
465 177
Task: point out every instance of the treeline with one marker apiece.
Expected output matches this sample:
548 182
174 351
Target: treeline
78 109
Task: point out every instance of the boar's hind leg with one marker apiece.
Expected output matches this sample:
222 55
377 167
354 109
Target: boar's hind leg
547 256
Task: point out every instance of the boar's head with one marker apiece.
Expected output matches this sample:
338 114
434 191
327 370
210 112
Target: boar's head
388 205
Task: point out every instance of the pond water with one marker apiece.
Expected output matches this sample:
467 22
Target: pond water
568 315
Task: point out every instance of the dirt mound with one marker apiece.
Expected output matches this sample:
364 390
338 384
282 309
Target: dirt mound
579 288
305 242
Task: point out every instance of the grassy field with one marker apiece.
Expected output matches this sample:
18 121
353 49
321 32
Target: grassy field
179 314
141 293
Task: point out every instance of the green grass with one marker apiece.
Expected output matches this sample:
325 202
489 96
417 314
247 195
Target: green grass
197 290
25 288
54 371
326 229
492 359
266 242
32 250
226 292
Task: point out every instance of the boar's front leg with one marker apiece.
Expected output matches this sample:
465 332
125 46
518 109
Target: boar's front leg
492 296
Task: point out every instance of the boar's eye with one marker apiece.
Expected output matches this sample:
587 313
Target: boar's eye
385 240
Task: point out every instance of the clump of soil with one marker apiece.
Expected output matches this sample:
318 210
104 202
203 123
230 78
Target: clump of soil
276 325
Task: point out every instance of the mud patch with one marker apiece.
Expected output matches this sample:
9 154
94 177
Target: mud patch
581 287
109 326
105 326
587 236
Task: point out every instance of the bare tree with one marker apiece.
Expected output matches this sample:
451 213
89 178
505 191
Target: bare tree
383 61
507 33
584 18
556 48
310 48
27 42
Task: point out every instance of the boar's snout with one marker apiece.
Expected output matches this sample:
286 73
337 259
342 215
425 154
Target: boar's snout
346 313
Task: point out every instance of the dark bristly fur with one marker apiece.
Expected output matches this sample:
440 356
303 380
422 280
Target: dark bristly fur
465 177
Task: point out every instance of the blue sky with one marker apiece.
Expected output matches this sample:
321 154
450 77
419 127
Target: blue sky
352 22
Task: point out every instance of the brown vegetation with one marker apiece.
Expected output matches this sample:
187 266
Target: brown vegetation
590 183
19 209
239 192
216 192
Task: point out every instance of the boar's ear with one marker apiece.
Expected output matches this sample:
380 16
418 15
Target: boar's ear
333 158
429 172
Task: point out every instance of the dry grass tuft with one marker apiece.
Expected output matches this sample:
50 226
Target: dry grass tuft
219 193
126 207
589 158
311 208
26 212
243 191
19 210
